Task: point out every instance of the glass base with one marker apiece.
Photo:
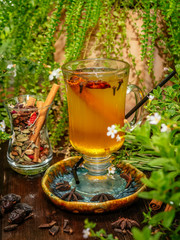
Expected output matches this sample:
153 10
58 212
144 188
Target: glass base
30 169
92 185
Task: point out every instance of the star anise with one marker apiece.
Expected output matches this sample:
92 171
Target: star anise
63 186
72 196
102 197
123 225
127 177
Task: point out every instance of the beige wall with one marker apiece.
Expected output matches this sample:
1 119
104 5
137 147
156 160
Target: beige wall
135 50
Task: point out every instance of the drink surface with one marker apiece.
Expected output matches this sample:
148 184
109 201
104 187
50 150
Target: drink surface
94 104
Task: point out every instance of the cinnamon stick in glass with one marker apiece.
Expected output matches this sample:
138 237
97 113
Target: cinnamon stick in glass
30 101
42 115
92 101
39 105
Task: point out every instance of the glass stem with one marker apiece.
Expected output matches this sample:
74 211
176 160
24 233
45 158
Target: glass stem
97 166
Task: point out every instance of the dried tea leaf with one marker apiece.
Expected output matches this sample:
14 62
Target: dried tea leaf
54 230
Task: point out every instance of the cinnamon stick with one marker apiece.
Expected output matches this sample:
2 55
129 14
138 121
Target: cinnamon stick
31 101
155 204
168 208
42 114
93 101
39 105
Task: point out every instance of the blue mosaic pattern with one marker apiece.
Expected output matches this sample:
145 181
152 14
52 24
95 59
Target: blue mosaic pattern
68 176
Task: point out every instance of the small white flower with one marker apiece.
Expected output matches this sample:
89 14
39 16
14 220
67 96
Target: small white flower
119 138
150 226
55 73
2 126
165 128
154 119
14 73
151 97
111 131
86 233
9 66
166 69
111 170
171 202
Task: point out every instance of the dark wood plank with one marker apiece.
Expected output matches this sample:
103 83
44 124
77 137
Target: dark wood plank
44 211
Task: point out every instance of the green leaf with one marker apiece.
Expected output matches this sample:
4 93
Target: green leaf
163 218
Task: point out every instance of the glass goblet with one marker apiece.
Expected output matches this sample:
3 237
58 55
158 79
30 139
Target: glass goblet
96 94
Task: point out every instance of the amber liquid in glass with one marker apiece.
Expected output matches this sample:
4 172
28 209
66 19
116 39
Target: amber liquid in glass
92 109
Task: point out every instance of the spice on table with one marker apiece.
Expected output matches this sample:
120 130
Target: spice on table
54 230
47 225
1 211
27 208
168 208
66 227
29 216
8 201
19 212
17 216
102 197
10 227
155 204
124 225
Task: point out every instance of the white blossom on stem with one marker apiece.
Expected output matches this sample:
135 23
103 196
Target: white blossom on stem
55 74
86 233
2 126
118 138
151 97
111 131
9 66
165 128
111 170
154 119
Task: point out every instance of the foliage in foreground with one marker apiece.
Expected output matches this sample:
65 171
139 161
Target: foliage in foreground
158 141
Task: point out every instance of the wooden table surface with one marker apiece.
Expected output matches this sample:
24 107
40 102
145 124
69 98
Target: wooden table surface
44 211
